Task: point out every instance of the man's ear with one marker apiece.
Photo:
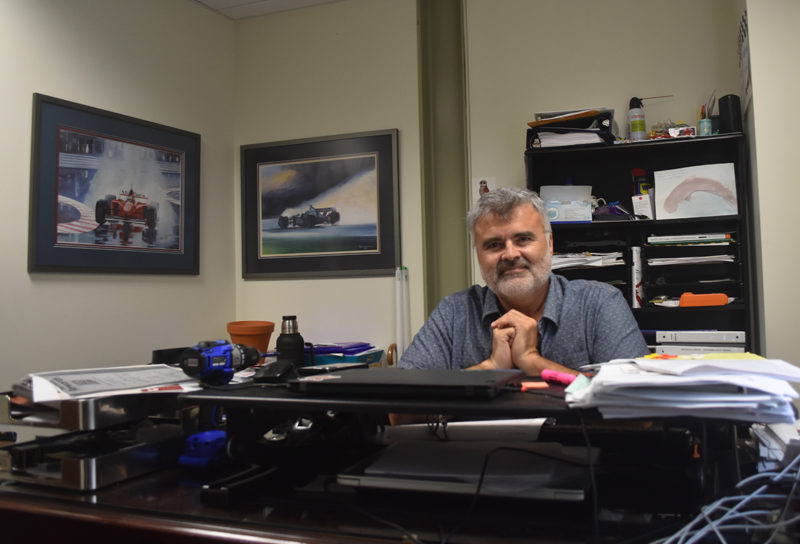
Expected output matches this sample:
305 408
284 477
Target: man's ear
550 241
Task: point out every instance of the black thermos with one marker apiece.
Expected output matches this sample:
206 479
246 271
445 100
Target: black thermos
290 344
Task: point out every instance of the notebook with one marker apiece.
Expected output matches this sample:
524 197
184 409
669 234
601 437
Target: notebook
530 470
417 383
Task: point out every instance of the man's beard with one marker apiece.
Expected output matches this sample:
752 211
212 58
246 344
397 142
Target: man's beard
522 282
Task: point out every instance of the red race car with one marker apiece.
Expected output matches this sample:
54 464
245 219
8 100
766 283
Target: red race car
130 211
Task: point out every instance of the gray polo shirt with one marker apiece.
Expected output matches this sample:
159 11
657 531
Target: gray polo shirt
583 322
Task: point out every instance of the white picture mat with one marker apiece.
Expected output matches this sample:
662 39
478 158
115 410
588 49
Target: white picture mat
696 191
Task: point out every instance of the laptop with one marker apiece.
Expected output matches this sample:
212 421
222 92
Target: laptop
417 383
530 470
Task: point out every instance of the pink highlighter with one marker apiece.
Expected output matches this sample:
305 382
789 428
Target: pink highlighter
558 377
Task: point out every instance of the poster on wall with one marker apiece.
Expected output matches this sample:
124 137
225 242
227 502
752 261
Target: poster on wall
111 193
696 191
321 207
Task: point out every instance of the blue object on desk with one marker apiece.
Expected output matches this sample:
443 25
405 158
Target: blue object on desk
345 352
344 348
205 449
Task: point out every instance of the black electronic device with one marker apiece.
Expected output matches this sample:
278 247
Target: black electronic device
730 114
530 470
275 372
413 383
330 367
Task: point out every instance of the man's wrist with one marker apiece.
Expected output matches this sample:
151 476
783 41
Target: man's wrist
486 364
532 363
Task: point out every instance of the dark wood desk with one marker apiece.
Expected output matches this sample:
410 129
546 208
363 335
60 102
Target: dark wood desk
166 507
302 503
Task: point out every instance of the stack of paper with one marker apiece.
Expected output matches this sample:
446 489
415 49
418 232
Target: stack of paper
556 139
700 259
99 382
778 444
586 260
745 389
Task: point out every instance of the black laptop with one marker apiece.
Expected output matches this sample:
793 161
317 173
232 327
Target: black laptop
417 383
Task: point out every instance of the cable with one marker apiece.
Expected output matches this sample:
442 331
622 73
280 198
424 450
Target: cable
694 531
482 476
405 532
436 422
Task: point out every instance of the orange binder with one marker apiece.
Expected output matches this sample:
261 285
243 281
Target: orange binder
706 299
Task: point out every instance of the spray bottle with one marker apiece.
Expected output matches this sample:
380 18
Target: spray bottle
637 128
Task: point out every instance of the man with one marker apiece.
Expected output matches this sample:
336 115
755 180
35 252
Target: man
525 317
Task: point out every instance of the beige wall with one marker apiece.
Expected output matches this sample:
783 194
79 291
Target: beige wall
346 67
525 57
168 62
774 50
349 66
338 68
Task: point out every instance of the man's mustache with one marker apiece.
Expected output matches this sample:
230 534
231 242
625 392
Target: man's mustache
502 266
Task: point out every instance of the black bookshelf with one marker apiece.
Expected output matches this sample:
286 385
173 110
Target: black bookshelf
607 168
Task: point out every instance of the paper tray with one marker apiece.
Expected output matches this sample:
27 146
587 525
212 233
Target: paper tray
88 461
89 413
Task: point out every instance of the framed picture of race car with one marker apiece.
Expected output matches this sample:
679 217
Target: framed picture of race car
111 193
321 207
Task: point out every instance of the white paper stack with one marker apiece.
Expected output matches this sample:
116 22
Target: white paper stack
746 389
778 444
586 260
99 382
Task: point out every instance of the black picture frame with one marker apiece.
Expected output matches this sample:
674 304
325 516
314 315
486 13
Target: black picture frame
111 193
321 207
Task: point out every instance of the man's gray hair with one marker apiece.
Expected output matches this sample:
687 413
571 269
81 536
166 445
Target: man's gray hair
501 202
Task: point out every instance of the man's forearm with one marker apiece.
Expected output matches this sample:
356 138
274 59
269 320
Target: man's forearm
532 365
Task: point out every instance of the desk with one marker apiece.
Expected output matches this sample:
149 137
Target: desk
301 505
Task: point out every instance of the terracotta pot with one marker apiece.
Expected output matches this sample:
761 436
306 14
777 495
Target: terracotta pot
251 333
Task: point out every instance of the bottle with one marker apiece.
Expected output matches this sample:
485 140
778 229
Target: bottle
290 344
637 128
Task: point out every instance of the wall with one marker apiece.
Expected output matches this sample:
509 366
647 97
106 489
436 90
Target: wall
162 61
334 69
525 57
774 49
207 74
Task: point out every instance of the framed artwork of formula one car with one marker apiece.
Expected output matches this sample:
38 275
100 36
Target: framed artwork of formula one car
111 193
321 207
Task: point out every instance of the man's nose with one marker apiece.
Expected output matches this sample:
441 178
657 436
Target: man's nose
510 251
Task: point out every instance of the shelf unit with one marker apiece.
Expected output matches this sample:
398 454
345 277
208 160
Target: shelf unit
607 168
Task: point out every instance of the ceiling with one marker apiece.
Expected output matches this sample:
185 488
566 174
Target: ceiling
241 9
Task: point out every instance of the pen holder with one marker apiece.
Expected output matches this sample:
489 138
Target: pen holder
705 127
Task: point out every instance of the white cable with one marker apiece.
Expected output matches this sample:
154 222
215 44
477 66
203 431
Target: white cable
744 500
694 535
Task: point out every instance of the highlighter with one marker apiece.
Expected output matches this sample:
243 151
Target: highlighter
558 377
